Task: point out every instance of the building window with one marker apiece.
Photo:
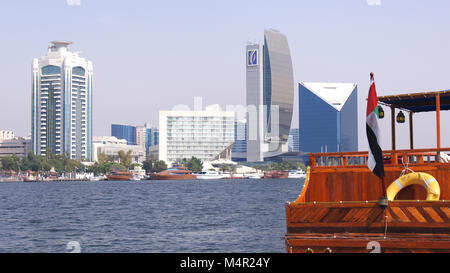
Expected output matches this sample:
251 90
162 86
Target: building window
51 69
78 70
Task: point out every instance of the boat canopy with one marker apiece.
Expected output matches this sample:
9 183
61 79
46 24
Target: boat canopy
416 103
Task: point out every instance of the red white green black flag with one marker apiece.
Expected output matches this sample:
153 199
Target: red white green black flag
375 162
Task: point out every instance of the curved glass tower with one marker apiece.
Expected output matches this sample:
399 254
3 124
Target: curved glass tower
62 103
270 96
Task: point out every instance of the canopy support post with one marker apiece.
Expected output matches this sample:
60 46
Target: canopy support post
411 130
393 126
438 120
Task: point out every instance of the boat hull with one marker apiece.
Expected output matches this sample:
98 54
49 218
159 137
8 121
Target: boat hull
173 177
118 177
276 175
363 227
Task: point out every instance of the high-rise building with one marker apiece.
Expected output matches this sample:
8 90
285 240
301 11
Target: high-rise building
152 138
328 119
239 152
294 140
270 96
202 134
127 132
62 103
137 135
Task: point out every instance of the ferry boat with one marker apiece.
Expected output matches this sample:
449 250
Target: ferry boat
119 176
338 211
177 172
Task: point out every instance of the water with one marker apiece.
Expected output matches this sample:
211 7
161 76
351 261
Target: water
146 216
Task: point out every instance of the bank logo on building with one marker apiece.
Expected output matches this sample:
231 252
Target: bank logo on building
252 57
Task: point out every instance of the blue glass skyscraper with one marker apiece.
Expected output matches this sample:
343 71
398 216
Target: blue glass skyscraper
328 117
124 132
151 138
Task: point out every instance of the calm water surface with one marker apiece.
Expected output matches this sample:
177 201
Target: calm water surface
146 216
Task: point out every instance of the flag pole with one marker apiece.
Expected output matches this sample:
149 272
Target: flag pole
382 201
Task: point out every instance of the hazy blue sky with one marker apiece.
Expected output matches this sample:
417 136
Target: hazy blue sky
152 55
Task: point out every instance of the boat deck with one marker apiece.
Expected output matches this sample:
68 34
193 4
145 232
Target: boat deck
337 210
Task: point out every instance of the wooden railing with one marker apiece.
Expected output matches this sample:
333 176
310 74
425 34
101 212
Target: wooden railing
391 158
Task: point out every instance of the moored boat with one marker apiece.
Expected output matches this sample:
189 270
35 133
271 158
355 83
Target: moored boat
298 174
119 176
337 209
254 176
276 175
176 172
209 175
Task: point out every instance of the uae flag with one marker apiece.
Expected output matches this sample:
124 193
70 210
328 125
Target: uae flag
375 162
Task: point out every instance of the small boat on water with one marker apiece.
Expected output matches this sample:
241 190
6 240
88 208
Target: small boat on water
209 175
276 175
337 210
298 174
119 176
176 172
254 176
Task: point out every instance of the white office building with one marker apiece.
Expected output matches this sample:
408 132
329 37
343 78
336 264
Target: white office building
62 103
202 134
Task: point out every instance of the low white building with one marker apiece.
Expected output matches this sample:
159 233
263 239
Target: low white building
110 146
18 146
202 134
5 135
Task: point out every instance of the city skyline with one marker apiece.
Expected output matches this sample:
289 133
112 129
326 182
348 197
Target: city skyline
398 41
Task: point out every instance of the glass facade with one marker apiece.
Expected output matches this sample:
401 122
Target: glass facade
280 82
126 132
294 140
323 128
51 70
270 91
151 138
239 151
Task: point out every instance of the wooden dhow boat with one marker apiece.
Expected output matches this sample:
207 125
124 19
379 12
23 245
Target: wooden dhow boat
119 176
337 210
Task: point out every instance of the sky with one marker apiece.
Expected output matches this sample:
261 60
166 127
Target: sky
153 55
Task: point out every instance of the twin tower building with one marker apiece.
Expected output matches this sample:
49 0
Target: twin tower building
62 104
328 117
61 110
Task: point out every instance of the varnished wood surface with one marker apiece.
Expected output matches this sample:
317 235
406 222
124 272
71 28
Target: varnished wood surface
334 184
399 217
366 243
349 226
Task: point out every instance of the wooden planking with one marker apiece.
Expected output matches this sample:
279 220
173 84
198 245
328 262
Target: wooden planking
403 217
359 243
334 184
